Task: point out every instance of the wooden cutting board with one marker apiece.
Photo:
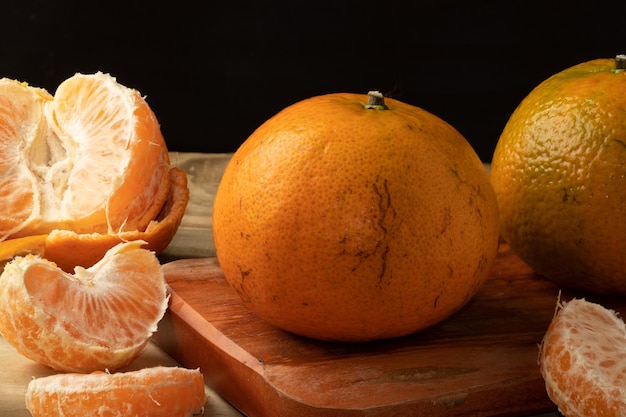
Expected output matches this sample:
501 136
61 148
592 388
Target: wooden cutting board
482 361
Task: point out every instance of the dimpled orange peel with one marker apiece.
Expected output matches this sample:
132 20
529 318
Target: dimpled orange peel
559 174
352 217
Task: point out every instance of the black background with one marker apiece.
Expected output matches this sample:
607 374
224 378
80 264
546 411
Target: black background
213 71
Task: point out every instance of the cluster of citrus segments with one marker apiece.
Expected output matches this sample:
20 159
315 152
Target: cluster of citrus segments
89 161
68 249
97 318
88 198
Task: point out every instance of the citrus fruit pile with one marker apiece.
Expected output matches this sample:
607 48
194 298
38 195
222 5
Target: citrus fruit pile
559 174
583 360
349 217
88 199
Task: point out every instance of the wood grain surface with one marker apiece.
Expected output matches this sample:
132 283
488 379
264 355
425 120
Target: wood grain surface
481 361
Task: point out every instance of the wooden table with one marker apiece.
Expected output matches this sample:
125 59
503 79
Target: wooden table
193 240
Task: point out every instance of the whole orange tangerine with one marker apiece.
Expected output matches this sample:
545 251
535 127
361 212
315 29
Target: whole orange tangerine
345 218
559 172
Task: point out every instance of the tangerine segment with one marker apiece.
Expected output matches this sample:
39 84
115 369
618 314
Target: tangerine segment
583 360
154 392
95 319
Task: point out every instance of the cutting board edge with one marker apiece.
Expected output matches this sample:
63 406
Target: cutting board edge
207 331
224 362
260 398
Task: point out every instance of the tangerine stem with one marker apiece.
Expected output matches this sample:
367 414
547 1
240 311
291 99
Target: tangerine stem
620 61
376 101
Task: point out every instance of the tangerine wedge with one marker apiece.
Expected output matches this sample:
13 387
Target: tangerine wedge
583 360
95 319
154 392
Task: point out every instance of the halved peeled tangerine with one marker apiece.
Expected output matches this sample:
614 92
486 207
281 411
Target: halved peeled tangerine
90 160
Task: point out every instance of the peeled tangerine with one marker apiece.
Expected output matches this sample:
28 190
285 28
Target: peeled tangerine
90 160
95 319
